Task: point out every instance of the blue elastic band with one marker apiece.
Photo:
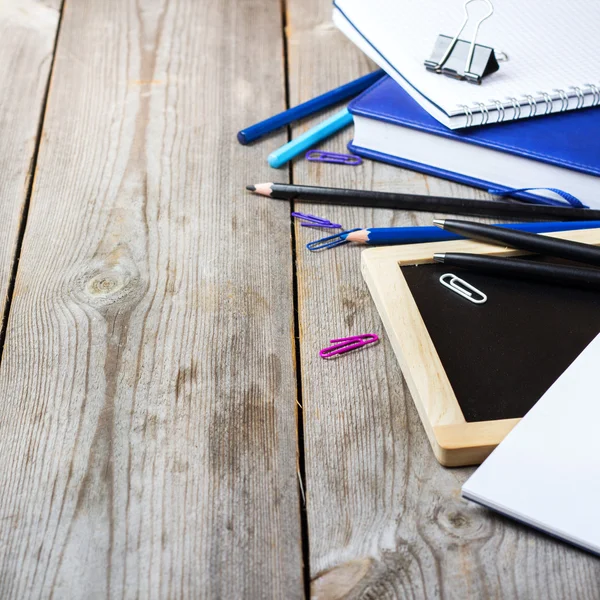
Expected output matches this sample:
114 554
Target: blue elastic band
575 202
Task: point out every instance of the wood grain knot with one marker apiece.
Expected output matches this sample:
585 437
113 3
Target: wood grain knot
106 283
461 524
339 581
113 280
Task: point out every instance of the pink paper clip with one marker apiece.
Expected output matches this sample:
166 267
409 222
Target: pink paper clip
333 157
347 344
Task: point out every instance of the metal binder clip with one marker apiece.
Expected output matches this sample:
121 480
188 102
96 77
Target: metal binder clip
463 288
460 59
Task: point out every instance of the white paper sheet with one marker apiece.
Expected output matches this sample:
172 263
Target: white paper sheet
546 472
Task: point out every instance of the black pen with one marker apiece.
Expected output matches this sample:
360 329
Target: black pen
532 242
522 269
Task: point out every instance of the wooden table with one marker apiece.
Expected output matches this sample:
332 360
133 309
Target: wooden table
161 391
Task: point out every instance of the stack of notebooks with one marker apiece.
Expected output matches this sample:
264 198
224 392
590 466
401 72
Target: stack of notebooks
532 124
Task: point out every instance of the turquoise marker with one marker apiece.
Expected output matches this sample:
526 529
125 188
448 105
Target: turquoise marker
307 140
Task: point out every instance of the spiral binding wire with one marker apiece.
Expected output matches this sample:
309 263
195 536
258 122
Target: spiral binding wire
532 105
595 92
564 99
484 112
516 107
580 96
548 102
499 107
469 114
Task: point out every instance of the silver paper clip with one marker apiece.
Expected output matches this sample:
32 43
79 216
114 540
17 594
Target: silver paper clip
448 54
462 288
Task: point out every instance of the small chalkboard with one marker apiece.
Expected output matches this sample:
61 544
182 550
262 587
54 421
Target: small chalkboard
475 369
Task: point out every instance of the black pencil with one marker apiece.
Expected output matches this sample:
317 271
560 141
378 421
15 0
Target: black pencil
532 242
522 269
456 206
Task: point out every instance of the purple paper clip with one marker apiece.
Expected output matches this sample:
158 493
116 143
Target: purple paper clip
333 157
347 344
314 221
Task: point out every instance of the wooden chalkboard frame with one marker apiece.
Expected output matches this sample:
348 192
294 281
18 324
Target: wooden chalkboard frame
455 442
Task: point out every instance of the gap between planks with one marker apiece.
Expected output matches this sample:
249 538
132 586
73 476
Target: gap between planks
296 345
30 181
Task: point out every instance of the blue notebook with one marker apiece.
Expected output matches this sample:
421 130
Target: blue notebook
556 151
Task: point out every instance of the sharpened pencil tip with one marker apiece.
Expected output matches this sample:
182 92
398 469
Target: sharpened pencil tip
439 257
439 223
264 189
251 188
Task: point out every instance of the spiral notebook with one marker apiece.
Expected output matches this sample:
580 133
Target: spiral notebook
552 50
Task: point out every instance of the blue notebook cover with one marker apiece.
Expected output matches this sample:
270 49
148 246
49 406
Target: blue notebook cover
570 140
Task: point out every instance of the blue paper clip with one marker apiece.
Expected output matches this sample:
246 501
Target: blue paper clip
314 221
333 157
331 241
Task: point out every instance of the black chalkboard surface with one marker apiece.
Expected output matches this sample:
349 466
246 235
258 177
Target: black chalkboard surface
500 357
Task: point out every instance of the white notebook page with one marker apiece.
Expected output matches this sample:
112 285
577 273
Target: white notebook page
547 470
550 45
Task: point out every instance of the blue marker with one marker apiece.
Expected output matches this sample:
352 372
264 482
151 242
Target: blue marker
309 139
344 92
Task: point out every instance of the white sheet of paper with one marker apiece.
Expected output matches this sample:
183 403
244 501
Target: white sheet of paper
546 472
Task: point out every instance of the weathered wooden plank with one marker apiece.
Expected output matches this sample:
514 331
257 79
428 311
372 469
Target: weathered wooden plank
28 31
147 423
385 519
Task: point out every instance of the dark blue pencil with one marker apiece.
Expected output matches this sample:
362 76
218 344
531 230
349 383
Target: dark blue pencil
382 236
245 136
